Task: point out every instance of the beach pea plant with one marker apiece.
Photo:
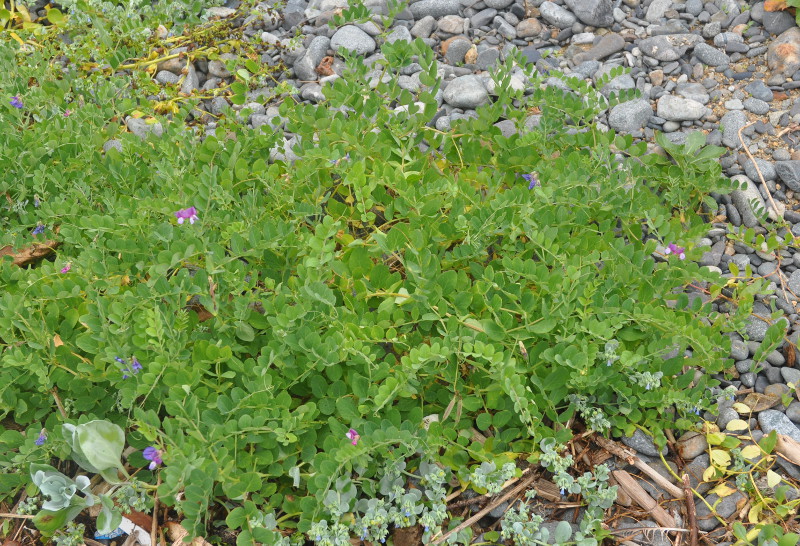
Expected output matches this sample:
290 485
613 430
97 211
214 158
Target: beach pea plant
275 318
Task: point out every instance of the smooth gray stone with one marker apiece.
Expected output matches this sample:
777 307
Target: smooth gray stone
770 420
759 90
725 508
113 143
304 67
789 173
731 123
597 13
630 116
435 8
190 81
165 77
777 22
710 55
142 129
756 106
466 92
607 46
354 39
556 15
642 443
675 108
766 167
668 47
791 375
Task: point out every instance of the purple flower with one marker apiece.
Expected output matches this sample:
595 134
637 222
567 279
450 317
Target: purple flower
36 201
153 455
532 180
38 229
353 436
187 214
16 102
66 267
41 439
67 112
679 251
346 157
136 366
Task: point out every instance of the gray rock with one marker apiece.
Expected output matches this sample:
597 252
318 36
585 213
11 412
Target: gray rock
487 58
731 123
657 10
486 16
793 411
305 65
739 348
668 47
770 420
142 129
424 27
353 38
556 15
695 471
789 173
766 167
607 46
759 90
399 33
457 50
756 106
435 8
694 7
498 4
726 416
777 22
113 143
741 200
713 256
724 508
791 375
190 81
165 77
218 105
597 13
710 55
217 68
630 116
793 282
675 108
693 91
642 443
466 92
691 445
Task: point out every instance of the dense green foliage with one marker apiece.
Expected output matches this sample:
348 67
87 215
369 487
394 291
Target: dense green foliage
390 273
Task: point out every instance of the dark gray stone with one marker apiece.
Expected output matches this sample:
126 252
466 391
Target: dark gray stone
597 13
789 173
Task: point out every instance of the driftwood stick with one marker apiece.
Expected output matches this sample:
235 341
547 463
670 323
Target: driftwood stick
691 513
642 498
488 508
629 455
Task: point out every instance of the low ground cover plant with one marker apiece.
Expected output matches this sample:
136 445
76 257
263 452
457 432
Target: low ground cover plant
284 341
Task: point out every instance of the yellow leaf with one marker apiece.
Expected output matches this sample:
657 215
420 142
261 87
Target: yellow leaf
23 12
709 474
17 38
737 425
738 407
715 438
723 490
754 515
57 341
720 458
751 452
773 478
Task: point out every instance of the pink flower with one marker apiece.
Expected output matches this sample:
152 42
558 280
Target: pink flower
353 436
187 214
66 268
679 251
153 455
67 112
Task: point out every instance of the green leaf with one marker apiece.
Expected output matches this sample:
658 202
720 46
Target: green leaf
563 532
109 517
101 443
542 326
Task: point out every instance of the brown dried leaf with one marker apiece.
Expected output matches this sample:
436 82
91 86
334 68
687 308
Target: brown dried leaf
775 5
324 67
472 55
176 534
408 536
760 402
57 341
31 253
